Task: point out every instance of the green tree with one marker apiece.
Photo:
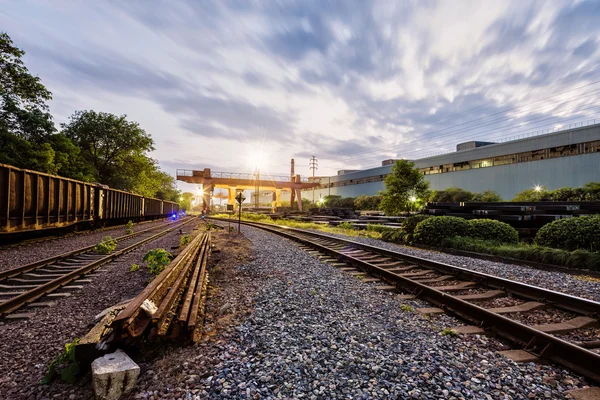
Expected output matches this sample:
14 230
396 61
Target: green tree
21 153
367 202
405 188
487 196
109 142
541 194
23 108
68 160
451 195
185 201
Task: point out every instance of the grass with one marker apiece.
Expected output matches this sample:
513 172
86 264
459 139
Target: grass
449 332
581 259
343 229
407 308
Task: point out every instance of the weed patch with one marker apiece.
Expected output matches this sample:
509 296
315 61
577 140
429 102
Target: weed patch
106 246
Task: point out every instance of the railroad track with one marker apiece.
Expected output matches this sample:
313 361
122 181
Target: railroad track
23 285
491 304
27 242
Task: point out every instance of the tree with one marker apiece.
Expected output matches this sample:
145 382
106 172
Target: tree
533 195
487 196
367 202
108 143
185 201
23 108
21 153
68 160
405 188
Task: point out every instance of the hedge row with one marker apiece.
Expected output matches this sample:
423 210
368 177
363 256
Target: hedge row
432 230
571 234
572 259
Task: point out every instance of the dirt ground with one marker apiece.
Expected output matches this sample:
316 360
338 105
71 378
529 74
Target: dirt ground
172 369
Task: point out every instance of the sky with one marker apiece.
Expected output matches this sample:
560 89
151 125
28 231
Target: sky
350 82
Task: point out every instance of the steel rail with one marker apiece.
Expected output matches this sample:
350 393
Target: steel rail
545 345
13 272
20 300
175 295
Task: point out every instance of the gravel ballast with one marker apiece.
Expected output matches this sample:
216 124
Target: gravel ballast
558 281
28 346
11 257
319 333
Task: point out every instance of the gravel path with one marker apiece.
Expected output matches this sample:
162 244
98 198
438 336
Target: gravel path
28 346
318 333
558 281
12 257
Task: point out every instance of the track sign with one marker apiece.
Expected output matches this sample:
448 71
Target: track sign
240 197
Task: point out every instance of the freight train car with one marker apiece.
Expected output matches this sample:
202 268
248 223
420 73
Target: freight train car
32 201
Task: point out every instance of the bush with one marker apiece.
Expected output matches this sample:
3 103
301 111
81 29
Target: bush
573 259
184 239
377 228
571 234
489 229
394 236
410 223
433 230
157 260
106 246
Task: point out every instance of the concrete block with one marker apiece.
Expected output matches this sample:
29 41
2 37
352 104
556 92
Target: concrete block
114 375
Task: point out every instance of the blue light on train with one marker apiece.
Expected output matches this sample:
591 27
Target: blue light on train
174 217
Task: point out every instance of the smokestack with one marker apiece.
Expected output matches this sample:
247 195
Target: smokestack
292 175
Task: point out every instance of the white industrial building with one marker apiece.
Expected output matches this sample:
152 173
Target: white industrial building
568 157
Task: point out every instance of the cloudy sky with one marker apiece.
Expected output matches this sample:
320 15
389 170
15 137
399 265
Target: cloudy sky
351 82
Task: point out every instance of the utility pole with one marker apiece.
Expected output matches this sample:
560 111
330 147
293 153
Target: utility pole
314 165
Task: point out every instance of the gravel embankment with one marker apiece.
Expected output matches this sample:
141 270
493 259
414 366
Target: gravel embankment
557 281
318 333
12 257
28 346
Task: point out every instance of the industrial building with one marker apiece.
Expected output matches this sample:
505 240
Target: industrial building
569 157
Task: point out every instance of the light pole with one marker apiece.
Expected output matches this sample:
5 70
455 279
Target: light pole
257 188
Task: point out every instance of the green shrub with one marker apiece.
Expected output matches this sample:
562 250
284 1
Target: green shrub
489 229
134 268
106 246
345 225
184 239
433 230
377 228
157 260
395 236
580 259
65 365
571 234
410 223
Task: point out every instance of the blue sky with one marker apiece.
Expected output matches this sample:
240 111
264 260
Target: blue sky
351 82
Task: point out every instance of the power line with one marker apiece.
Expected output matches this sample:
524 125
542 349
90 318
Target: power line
314 165
464 137
497 113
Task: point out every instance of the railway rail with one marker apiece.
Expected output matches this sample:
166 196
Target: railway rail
458 291
172 304
23 285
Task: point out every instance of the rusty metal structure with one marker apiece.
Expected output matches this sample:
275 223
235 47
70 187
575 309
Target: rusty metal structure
235 182
437 284
33 201
172 304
